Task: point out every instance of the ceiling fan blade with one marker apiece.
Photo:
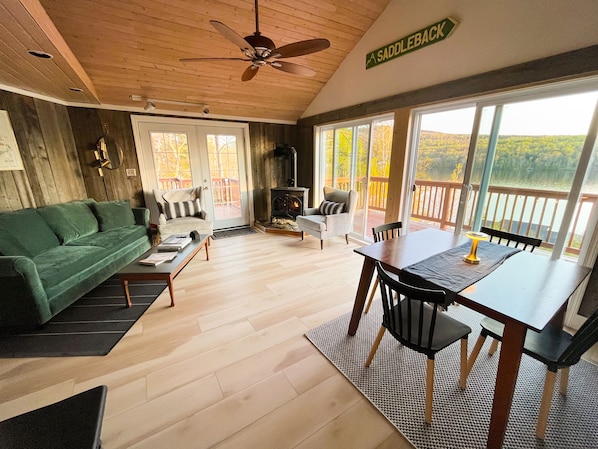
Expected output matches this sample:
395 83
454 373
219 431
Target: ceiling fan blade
250 72
293 68
232 36
301 48
213 59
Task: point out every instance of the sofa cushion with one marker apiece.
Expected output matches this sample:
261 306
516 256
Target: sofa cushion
70 221
331 208
113 214
25 233
182 209
63 262
113 238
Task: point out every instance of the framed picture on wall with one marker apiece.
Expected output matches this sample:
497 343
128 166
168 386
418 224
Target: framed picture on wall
10 158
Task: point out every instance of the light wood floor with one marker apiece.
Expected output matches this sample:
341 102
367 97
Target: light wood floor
229 365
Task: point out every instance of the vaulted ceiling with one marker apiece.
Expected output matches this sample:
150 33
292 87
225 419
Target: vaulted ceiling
115 49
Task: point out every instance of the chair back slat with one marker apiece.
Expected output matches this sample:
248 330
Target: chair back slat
507 238
584 339
409 311
387 231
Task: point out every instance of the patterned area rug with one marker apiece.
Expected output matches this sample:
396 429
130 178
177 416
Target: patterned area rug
91 326
395 384
234 232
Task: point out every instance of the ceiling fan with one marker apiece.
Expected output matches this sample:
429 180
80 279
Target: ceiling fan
261 51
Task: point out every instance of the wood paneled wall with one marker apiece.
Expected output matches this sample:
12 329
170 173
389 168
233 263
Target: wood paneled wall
268 171
52 171
57 142
88 126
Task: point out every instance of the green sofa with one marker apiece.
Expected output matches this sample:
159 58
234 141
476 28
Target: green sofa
51 256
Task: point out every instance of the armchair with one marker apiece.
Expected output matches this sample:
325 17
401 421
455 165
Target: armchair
181 212
330 219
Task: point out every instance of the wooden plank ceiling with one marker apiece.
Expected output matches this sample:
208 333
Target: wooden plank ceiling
113 49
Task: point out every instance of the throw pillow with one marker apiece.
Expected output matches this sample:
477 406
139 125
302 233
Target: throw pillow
70 221
182 209
331 208
113 214
25 233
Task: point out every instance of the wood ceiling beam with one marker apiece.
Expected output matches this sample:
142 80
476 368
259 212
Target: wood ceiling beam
41 18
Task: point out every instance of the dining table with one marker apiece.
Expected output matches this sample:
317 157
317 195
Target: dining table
525 291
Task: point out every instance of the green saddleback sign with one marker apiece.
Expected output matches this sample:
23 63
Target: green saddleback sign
420 39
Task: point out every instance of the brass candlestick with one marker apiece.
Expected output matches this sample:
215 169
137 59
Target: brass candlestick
475 237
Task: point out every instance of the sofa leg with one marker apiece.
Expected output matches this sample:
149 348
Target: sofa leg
321 244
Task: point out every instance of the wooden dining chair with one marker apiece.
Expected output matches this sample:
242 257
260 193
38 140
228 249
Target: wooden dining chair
385 231
554 347
411 316
523 242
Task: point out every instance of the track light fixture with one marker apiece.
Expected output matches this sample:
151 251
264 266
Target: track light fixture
150 103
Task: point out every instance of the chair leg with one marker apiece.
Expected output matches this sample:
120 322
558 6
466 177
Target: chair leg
429 390
564 381
493 347
475 351
464 368
347 238
302 233
545 404
321 244
367 308
375 345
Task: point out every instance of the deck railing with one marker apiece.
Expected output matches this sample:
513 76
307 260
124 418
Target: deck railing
225 191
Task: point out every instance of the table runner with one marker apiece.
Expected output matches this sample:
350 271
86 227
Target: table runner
450 272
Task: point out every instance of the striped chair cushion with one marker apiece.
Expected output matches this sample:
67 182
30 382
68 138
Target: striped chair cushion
331 208
182 209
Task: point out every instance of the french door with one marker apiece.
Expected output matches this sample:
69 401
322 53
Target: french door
182 153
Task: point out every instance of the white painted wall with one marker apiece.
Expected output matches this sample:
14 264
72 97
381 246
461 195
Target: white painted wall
491 34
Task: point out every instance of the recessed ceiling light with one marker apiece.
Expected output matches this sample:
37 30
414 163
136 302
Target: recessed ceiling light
75 89
40 54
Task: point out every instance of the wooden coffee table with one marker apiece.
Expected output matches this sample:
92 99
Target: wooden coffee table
166 271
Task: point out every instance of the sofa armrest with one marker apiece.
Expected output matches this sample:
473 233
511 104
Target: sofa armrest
142 216
23 300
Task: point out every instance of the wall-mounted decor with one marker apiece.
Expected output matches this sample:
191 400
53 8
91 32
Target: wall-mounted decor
10 158
414 41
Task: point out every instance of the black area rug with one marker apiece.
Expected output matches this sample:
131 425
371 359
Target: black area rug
395 384
91 326
233 232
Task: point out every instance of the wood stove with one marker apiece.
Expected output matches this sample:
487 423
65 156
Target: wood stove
288 202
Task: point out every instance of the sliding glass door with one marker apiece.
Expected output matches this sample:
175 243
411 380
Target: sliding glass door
524 167
356 155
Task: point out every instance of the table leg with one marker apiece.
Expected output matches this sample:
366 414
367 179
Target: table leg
362 290
125 285
170 283
506 378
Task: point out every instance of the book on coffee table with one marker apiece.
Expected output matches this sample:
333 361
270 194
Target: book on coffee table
175 243
158 258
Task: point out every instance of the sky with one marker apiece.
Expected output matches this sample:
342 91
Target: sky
569 115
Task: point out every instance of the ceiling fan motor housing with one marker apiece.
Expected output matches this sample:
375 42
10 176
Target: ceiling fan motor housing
263 46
